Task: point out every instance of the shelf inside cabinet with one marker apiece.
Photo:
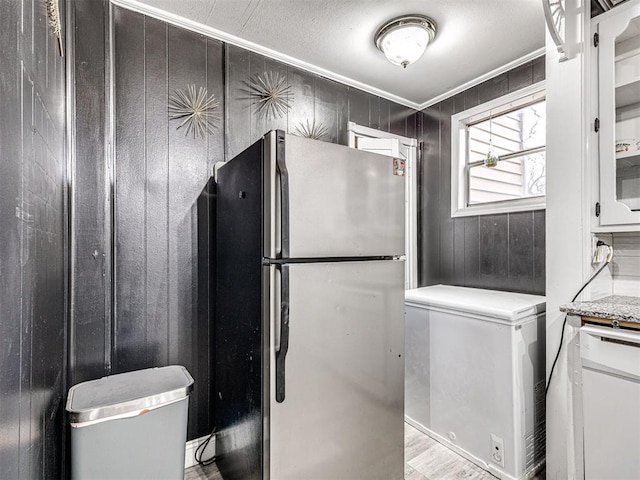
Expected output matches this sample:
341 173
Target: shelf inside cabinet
628 162
628 94
630 112
631 155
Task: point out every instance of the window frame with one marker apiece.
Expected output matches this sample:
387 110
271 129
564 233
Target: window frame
459 177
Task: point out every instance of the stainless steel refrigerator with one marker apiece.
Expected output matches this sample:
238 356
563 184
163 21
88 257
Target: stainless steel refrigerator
309 330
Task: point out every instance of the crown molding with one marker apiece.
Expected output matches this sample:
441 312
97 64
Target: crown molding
211 32
478 80
254 47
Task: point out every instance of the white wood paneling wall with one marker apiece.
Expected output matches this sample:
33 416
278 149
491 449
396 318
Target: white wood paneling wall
626 264
568 238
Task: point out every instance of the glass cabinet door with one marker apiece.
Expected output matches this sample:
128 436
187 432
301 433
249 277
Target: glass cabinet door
619 114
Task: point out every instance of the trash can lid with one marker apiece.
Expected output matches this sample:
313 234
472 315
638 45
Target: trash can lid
127 393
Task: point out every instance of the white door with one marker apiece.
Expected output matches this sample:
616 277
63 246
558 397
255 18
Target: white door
384 146
404 149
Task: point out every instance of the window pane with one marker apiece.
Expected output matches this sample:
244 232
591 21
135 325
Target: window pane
519 177
508 133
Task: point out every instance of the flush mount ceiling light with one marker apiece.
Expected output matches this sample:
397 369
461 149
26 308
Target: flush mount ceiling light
404 39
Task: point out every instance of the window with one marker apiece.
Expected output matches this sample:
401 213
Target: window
498 155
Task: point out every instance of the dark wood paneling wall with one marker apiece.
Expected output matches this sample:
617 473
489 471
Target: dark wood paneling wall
90 314
32 244
501 252
157 233
161 312
314 99
162 302
141 226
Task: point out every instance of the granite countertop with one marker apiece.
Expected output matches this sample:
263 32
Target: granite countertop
614 307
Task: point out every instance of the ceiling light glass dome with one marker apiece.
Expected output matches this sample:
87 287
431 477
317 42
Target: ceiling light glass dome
403 40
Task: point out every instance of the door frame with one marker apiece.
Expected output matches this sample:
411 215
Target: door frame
411 201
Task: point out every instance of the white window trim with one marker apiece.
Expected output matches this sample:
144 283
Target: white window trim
411 228
458 162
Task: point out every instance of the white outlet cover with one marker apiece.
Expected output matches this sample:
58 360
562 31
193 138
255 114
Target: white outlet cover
497 450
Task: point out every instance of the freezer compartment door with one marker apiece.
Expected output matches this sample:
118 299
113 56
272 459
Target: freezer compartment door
336 371
329 200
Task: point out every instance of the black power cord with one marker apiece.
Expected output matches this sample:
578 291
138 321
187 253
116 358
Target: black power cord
564 323
200 451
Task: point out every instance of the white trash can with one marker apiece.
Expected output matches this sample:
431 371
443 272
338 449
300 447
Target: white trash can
130 425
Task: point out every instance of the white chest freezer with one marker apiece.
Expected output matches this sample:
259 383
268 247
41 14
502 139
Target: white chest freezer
475 374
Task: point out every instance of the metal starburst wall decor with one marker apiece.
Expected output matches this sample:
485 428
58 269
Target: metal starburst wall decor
53 14
271 94
198 111
313 130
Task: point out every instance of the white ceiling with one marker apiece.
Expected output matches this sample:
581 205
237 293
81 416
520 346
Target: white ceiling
335 37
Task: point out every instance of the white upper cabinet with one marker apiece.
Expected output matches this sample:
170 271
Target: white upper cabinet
618 104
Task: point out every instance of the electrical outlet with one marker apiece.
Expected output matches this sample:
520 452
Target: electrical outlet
599 252
600 248
497 450
594 249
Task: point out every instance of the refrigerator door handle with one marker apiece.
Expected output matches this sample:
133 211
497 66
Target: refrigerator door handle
283 174
281 350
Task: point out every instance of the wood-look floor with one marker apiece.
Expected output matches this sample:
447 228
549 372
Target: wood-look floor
425 459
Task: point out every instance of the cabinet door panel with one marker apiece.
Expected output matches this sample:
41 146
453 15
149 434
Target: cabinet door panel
619 114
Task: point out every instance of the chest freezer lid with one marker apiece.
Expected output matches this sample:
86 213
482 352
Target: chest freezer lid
126 394
488 303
